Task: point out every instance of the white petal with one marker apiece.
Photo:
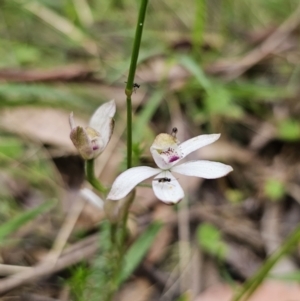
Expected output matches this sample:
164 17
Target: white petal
105 111
92 197
203 169
127 180
197 142
102 120
170 192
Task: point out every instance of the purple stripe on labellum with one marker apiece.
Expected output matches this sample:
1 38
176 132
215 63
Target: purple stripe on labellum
171 154
174 158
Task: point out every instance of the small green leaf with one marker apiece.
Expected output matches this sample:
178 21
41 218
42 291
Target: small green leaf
289 130
78 280
219 101
258 92
185 297
234 195
26 54
209 238
197 71
293 276
18 221
11 147
138 250
274 189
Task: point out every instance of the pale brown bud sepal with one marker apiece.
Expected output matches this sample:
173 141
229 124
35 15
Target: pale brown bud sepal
93 139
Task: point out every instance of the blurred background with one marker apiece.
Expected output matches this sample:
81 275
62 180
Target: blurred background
229 67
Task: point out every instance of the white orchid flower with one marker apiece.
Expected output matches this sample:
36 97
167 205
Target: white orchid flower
167 152
92 140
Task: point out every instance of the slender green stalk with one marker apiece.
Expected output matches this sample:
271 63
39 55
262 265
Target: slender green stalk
115 263
119 234
90 175
131 74
252 284
124 219
129 131
118 242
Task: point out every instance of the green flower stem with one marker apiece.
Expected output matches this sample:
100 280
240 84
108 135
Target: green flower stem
124 219
90 175
115 262
252 284
119 231
131 74
118 236
129 132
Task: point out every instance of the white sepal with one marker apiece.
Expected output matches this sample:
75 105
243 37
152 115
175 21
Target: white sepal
170 192
102 121
203 169
127 180
197 142
92 197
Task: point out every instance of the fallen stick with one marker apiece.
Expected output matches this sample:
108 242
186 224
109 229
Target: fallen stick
47 268
65 231
7 269
245 232
35 297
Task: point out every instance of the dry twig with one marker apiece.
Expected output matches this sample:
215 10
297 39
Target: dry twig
242 231
71 256
65 231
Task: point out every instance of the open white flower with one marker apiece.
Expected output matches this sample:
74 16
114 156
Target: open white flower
92 140
167 152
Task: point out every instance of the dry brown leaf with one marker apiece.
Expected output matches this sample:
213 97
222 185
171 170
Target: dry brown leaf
264 134
159 69
271 233
89 217
44 125
219 292
163 239
242 258
225 151
138 290
144 199
159 246
270 290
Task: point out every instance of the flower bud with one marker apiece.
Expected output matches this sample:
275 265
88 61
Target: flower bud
93 139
